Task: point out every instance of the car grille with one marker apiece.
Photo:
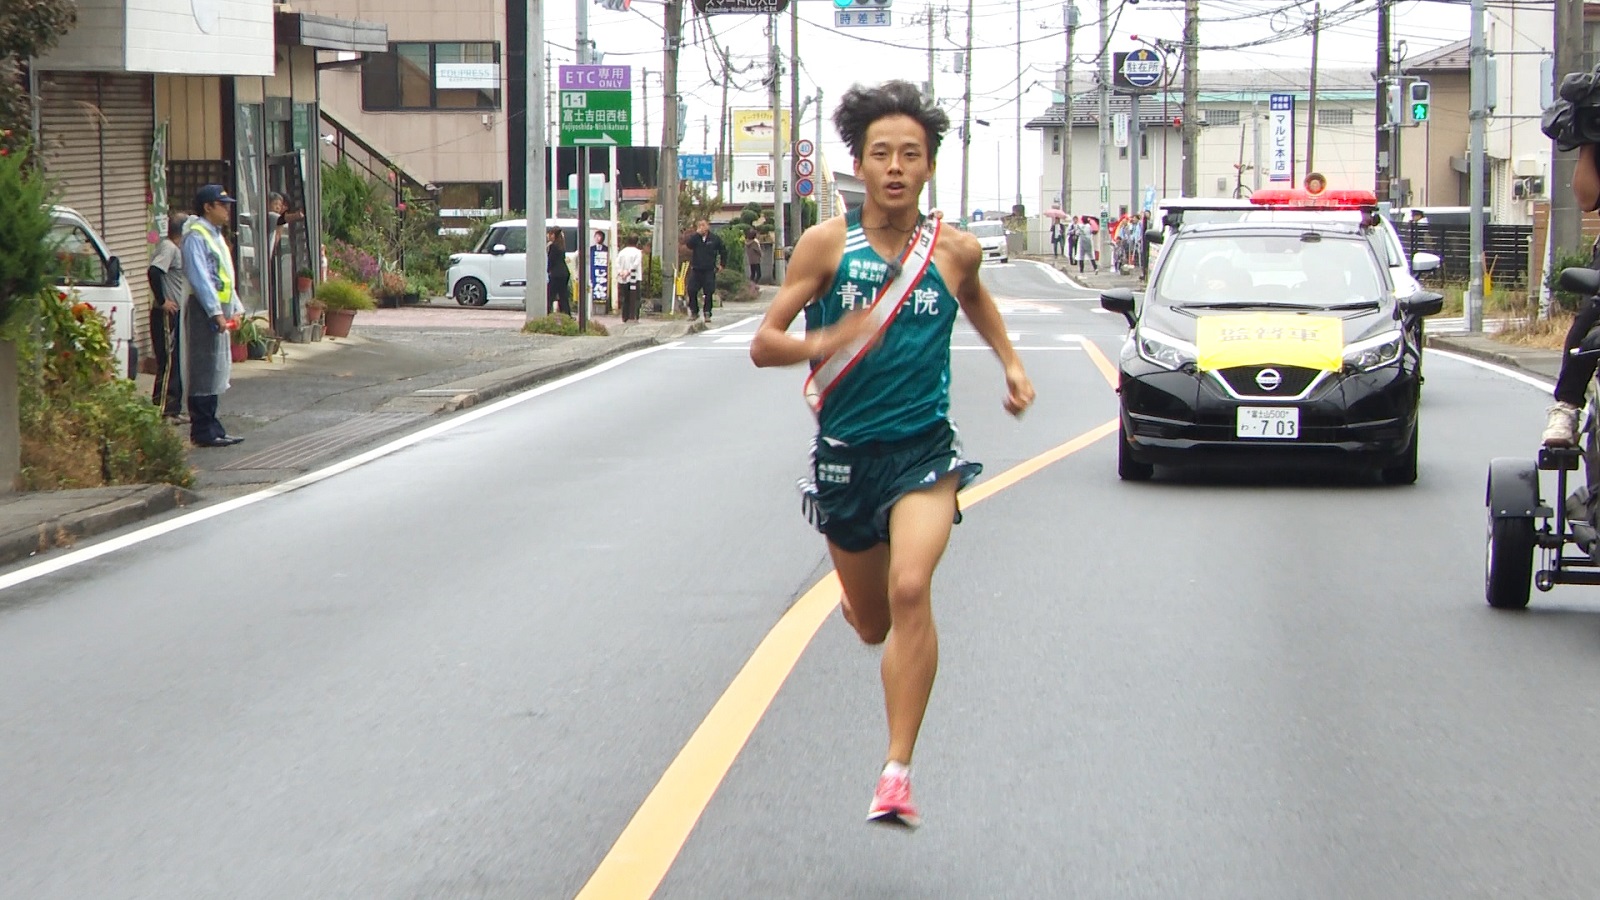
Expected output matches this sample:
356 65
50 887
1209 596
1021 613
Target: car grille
1293 380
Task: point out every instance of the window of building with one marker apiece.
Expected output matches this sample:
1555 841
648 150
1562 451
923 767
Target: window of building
432 76
1055 144
1336 117
1222 117
469 199
1144 147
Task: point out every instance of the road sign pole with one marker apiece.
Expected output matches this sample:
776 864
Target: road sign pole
535 271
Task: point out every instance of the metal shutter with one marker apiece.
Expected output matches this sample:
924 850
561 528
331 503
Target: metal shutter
96 132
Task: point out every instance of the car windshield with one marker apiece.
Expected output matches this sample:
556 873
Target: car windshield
1383 238
987 229
1311 270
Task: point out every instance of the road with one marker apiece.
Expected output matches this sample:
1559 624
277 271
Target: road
461 668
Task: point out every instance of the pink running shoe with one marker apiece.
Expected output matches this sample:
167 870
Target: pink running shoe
891 804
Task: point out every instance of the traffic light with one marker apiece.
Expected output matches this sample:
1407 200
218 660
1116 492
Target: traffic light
1419 98
1391 99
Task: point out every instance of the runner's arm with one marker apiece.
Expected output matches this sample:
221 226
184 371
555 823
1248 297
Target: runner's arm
810 273
981 311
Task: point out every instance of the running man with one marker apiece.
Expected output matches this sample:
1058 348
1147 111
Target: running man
879 288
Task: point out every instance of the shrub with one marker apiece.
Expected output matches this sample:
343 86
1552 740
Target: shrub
27 261
733 286
342 293
82 427
391 285
1566 259
352 262
563 325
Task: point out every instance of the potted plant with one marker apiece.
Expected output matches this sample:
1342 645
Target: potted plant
342 298
302 283
390 289
251 338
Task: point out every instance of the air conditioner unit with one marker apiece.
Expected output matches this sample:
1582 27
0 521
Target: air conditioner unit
1527 188
1527 166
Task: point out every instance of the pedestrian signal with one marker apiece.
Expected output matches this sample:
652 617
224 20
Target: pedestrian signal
1421 98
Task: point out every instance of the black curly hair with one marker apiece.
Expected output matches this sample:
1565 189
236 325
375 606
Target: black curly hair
861 106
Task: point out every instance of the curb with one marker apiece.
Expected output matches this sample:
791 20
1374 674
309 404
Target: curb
1494 356
64 531
553 371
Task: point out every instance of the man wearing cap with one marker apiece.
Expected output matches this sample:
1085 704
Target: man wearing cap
207 363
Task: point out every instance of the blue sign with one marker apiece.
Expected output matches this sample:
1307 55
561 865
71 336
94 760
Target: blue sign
697 167
1281 102
977 215
599 273
1143 68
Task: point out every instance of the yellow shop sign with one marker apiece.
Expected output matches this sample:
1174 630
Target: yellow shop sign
1269 339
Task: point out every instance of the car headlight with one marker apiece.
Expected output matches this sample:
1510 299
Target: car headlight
455 260
1374 352
1165 350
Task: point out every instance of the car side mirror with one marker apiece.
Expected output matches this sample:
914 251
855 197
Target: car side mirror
1423 261
113 271
1422 303
498 249
1156 237
1119 300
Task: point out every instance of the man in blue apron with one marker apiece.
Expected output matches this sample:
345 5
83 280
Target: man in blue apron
879 288
207 362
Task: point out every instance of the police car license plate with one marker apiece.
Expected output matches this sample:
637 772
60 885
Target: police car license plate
1271 422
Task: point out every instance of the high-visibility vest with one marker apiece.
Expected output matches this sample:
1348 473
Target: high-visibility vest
224 261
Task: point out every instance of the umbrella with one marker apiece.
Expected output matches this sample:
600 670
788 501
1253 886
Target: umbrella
1056 214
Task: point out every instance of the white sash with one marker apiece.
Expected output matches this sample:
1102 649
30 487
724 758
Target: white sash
913 263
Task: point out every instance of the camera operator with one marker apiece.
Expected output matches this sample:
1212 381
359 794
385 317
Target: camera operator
1561 427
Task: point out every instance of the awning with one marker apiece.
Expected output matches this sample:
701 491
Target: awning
328 33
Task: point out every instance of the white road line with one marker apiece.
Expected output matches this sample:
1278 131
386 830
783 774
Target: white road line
1513 374
745 321
1056 275
68 560
711 348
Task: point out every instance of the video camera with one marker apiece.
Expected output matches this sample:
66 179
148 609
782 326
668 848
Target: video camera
1574 119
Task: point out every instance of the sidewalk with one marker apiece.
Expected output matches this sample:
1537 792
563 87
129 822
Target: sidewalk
319 402
1103 280
1532 360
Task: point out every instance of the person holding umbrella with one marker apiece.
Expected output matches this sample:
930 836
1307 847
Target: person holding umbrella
1086 247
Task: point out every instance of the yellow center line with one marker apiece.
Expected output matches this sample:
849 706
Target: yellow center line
648 846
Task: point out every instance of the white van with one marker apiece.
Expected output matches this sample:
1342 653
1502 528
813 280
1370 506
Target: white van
497 268
96 277
992 237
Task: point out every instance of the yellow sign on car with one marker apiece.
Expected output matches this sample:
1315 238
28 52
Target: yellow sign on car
1269 339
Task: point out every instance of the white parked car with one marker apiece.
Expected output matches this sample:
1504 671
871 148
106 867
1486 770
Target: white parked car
992 237
87 269
497 268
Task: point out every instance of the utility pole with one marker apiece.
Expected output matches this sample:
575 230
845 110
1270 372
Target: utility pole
1191 98
1016 209
1311 104
778 240
1385 127
644 87
796 203
585 53
1070 14
667 171
966 116
1105 124
933 183
1477 72
1566 220
724 178
535 272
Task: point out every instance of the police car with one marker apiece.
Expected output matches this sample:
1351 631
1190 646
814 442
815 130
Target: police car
1272 339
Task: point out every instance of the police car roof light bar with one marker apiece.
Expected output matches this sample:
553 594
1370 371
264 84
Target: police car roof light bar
1299 199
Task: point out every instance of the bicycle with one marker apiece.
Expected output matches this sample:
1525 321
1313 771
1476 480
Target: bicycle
1520 524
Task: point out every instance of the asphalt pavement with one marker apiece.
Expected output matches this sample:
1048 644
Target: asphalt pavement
463 667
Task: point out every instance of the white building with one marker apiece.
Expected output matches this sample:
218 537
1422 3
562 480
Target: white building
1233 149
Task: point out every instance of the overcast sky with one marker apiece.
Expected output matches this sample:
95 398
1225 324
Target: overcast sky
833 59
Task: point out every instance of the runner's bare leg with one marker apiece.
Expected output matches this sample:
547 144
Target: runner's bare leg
865 578
919 528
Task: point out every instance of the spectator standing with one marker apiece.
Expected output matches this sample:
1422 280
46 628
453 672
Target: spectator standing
170 289
207 361
752 254
558 281
1072 241
630 277
1058 237
1086 248
705 261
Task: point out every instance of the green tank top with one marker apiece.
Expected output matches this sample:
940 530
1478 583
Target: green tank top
902 386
